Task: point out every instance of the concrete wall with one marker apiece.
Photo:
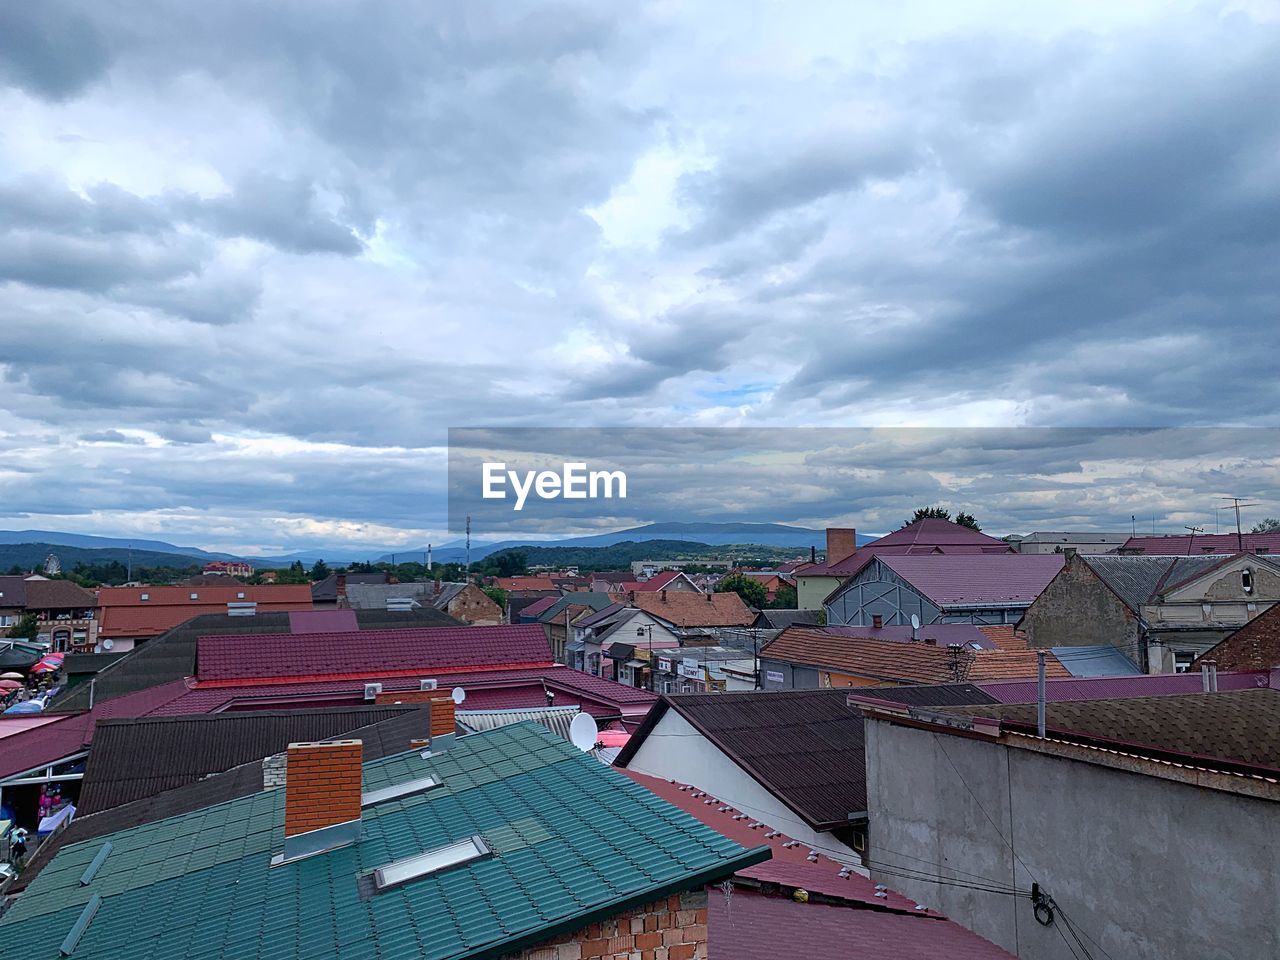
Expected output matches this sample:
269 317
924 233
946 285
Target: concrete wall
1151 869
811 591
794 676
675 750
1077 609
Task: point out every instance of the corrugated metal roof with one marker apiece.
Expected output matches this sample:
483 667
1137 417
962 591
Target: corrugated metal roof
555 719
201 884
132 759
1136 579
1099 660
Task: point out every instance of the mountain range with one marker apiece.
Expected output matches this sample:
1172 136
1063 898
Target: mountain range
453 551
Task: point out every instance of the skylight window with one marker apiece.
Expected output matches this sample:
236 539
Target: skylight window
425 864
408 788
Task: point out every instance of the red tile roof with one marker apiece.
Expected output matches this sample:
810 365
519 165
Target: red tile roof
368 653
685 609
901 662
126 614
524 583
986 578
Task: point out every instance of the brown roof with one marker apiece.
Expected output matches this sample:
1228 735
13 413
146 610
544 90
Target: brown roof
47 594
1255 646
902 662
126 614
686 609
1235 726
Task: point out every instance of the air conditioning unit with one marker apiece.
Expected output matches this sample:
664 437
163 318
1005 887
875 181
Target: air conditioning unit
371 690
427 684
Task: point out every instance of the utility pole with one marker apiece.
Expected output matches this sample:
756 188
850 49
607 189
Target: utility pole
1238 502
468 546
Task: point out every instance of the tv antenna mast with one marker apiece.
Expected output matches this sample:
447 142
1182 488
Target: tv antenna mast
1238 502
1194 530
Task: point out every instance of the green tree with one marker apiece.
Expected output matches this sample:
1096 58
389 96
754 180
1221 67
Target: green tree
27 627
929 513
967 520
751 591
497 595
1269 525
319 570
784 598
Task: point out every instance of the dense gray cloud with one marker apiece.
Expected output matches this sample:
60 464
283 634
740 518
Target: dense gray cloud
255 259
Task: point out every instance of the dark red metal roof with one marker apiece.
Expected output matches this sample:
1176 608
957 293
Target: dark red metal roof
752 926
987 578
1185 545
923 537
368 653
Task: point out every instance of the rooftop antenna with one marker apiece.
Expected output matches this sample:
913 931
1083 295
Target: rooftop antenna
583 732
915 625
1194 530
1238 502
458 695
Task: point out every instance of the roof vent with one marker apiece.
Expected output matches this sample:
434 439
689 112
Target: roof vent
95 864
80 926
371 690
433 861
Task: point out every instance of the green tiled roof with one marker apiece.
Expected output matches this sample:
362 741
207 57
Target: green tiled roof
572 841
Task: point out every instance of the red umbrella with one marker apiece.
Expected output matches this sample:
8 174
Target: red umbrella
48 663
10 685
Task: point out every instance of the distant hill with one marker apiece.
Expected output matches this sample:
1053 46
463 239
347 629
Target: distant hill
88 541
616 556
706 534
30 556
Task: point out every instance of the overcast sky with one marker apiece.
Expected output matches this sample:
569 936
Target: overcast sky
255 258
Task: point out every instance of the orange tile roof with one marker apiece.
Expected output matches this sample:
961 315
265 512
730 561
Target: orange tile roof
685 609
125 614
902 662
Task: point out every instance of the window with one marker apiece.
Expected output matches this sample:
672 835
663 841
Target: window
1246 580
240 595
1182 660
195 596
145 596
433 861
624 675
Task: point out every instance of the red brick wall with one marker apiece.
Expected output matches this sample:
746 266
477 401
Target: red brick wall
322 785
671 929
1255 646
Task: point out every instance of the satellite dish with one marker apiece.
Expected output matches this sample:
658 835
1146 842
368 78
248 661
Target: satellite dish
108 643
584 732
915 622
458 695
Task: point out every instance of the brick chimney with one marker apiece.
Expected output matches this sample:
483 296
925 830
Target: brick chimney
321 797
877 621
662 595
342 589
841 543
443 723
